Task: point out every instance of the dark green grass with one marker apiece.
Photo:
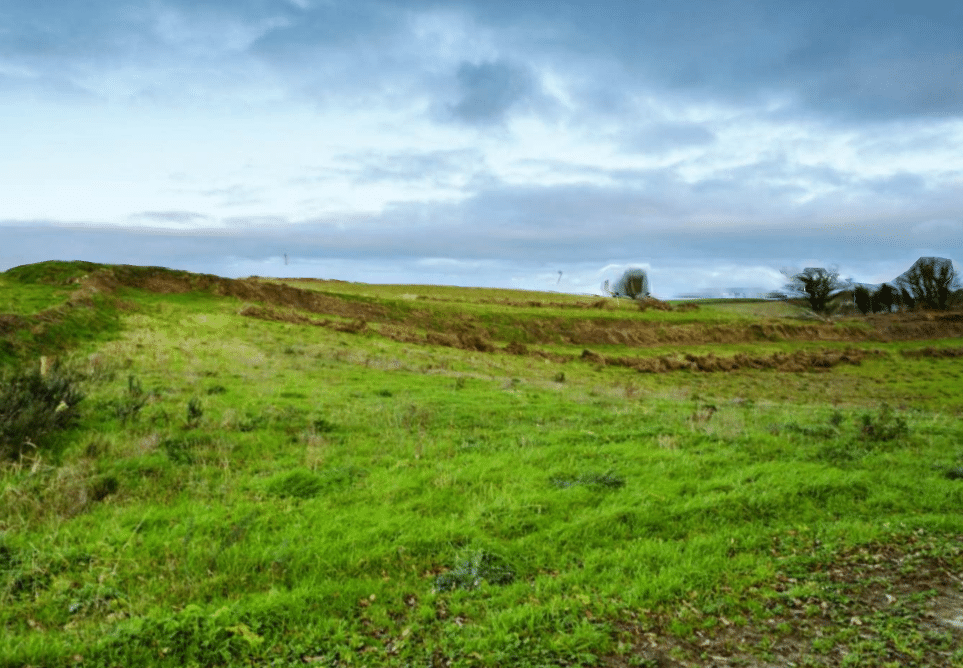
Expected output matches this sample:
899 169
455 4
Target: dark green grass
253 492
24 299
59 329
52 273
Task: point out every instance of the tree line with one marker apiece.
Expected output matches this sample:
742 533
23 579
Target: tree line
931 283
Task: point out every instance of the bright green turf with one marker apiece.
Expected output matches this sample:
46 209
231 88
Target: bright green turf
324 480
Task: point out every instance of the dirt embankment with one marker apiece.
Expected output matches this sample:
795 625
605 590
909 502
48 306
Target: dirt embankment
166 281
800 360
468 331
464 330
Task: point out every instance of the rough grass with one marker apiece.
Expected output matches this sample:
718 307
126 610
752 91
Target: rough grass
263 492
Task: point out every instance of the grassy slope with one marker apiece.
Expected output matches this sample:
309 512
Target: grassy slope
305 512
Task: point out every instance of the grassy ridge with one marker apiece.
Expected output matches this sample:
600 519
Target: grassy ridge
245 491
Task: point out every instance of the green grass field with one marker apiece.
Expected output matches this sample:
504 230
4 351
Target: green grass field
426 476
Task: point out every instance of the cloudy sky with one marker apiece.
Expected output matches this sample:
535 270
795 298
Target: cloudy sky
484 142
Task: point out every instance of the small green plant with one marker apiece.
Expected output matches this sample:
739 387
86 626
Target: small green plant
35 408
477 566
886 426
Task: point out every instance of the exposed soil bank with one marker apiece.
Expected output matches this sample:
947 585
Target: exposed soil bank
424 326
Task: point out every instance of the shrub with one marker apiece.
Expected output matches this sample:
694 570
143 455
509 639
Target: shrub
35 409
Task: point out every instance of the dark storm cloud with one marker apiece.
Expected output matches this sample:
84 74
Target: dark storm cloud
847 60
851 61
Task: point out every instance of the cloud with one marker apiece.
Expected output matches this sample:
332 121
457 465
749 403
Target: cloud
846 62
234 195
663 137
443 168
487 92
169 218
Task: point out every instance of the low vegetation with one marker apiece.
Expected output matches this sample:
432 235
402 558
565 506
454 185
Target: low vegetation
320 473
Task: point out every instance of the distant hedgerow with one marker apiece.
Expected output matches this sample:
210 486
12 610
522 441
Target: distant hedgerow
35 408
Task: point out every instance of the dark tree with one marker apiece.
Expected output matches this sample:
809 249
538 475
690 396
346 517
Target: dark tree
862 298
906 299
634 284
819 286
884 298
930 280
